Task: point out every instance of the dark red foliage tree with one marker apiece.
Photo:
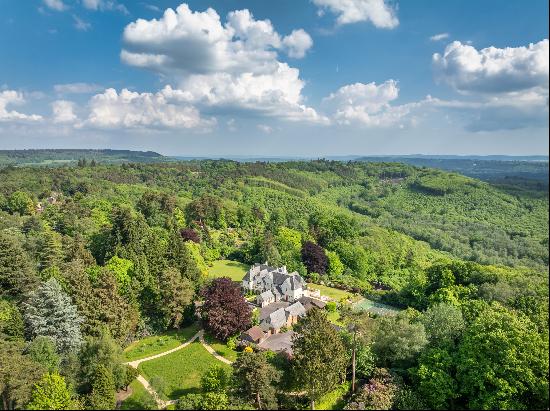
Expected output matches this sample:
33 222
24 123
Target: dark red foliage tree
314 258
225 311
188 234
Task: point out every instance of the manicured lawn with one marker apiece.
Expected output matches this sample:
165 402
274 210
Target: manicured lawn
227 268
333 293
140 399
181 370
159 343
221 348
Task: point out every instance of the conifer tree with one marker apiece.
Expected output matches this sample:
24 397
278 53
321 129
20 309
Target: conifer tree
17 275
50 312
102 396
320 358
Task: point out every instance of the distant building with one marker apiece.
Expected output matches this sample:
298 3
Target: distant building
273 284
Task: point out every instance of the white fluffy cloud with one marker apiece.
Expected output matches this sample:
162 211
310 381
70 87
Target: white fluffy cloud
222 67
378 12
493 70
129 109
297 43
366 104
12 97
63 111
57 5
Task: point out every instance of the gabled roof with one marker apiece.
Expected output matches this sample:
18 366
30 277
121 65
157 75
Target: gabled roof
277 318
296 309
266 295
255 333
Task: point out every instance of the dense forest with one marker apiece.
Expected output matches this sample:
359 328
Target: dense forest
95 256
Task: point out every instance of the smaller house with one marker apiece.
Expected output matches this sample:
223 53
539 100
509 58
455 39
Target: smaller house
253 335
311 303
265 298
294 312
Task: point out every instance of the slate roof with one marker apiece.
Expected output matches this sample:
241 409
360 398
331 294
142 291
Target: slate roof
296 309
277 319
266 311
266 295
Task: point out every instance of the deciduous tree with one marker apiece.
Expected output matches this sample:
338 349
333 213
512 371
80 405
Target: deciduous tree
225 311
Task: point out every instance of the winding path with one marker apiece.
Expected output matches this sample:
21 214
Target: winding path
162 404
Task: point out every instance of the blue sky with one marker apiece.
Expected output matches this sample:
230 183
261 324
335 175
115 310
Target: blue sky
291 77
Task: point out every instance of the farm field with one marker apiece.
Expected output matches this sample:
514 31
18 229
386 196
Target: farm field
157 344
181 371
227 268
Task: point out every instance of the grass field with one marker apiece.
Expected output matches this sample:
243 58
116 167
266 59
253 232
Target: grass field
333 293
181 370
221 348
227 268
159 343
140 399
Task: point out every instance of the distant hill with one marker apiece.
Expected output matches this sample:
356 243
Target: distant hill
56 157
502 169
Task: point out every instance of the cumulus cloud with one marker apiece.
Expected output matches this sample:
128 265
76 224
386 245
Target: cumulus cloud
63 112
77 88
507 88
57 5
297 43
493 70
12 97
129 109
222 67
439 37
378 12
366 104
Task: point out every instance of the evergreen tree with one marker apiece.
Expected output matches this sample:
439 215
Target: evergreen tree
50 254
17 275
11 321
120 317
50 393
255 379
176 293
50 312
319 362
102 396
